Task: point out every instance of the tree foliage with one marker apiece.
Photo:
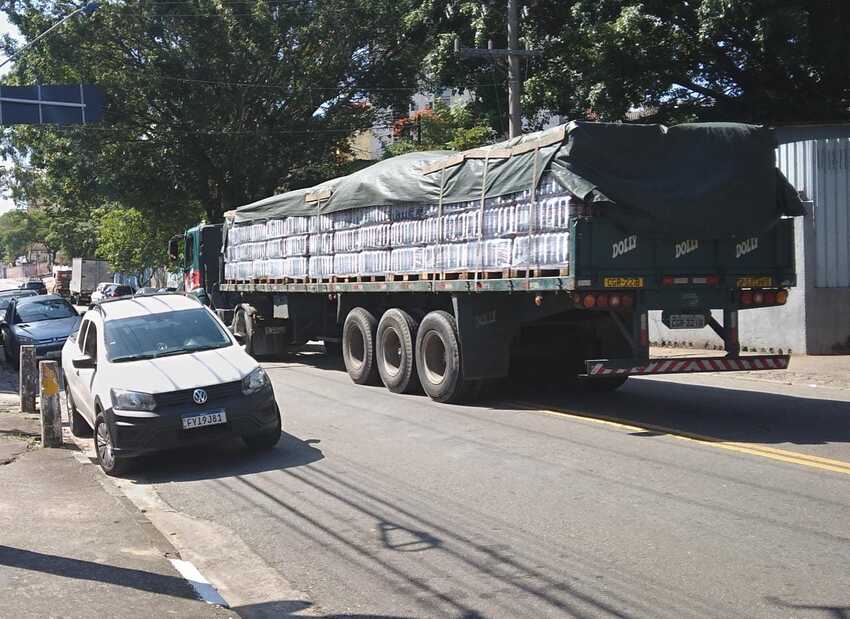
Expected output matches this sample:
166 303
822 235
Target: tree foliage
770 61
21 230
210 103
439 128
130 241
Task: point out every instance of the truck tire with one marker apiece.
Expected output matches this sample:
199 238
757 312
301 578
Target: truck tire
395 348
358 346
438 360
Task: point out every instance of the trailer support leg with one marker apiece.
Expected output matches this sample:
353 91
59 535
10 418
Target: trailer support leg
639 340
728 331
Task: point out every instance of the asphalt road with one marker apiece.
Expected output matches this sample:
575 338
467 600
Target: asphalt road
705 497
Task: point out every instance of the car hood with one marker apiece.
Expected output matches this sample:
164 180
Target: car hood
199 369
45 329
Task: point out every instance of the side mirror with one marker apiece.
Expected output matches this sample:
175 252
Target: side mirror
84 363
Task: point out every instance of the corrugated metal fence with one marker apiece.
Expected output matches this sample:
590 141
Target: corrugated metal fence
821 169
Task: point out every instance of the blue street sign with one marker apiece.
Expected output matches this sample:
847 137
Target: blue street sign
51 105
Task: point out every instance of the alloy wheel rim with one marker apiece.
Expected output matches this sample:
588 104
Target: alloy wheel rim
104 446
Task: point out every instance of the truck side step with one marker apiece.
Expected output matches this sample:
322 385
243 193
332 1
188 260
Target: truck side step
598 368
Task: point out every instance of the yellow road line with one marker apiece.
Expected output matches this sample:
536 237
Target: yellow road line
772 453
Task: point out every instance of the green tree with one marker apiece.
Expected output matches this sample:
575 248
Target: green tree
131 242
767 61
20 230
440 128
210 103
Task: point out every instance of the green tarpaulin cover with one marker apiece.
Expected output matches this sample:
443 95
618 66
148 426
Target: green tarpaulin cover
699 181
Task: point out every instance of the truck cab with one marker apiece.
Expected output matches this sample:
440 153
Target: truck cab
198 251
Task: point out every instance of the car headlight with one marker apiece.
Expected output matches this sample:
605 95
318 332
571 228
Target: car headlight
255 381
132 400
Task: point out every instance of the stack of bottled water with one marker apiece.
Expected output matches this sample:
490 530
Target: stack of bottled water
505 232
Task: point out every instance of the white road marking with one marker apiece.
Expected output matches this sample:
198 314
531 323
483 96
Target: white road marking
201 585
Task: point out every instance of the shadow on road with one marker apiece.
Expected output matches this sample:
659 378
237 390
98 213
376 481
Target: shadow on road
96 572
227 458
725 413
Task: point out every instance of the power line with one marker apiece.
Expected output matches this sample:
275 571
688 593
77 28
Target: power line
355 87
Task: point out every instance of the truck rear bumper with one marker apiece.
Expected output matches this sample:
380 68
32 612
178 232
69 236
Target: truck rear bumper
598 368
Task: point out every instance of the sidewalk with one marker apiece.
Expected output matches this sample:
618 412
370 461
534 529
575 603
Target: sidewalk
70 546
827 371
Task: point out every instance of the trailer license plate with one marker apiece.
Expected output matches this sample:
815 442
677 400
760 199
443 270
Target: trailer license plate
210 418
622 282
754 282
686 321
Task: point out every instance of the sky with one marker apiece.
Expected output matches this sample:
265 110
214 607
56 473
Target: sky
5 28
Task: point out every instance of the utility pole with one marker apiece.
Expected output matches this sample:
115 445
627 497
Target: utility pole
512 55
514 85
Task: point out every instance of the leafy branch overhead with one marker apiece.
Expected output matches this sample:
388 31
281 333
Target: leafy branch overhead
211 103
777 61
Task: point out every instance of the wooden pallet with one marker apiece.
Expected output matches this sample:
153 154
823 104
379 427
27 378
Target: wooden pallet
523 273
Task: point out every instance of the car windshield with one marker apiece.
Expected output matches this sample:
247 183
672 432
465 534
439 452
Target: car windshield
6 297
48 309
162 335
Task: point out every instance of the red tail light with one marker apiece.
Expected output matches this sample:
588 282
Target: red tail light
712 280
770 298
667 280
615 301
746 298
758 298
602 301
627 300
782 297
589 301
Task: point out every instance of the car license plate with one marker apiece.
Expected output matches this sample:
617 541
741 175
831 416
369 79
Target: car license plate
686 321
204 419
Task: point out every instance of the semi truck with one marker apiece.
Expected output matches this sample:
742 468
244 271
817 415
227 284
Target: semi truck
86 274
685 220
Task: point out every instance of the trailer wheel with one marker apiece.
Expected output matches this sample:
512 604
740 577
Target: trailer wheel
358 346
438 359
395 348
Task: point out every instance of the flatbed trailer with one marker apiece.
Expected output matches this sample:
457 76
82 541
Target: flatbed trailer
449 333
593 324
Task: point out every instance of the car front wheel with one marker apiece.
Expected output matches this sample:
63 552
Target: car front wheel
106 458
265 440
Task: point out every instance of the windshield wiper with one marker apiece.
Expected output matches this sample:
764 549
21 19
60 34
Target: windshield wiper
185 351
132 358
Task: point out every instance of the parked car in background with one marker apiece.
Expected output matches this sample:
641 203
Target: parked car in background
146 292
36 285
118 290
43 321
6 297
99 293
160 372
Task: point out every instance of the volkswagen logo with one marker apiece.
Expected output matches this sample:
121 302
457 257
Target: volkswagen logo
199 396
